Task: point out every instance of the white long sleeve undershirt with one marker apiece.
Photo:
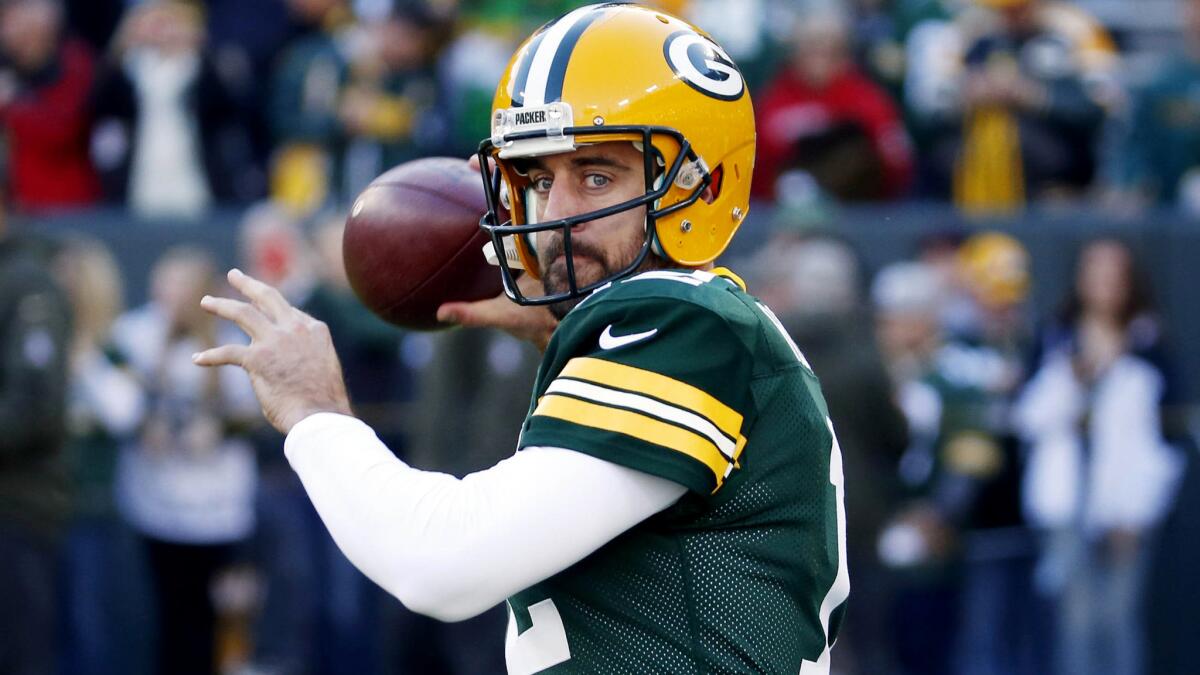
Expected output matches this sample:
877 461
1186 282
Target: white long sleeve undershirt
451 548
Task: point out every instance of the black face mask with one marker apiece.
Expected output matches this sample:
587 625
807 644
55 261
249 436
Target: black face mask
500 232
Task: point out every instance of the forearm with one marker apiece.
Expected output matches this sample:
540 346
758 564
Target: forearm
452 549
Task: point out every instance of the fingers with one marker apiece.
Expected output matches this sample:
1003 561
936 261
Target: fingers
246 316
473 163
498 312
225 355
460 313
534 324
264 296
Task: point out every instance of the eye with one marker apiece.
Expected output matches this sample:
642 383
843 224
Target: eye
542 184
596 180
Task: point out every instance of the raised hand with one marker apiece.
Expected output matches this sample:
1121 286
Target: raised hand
290 358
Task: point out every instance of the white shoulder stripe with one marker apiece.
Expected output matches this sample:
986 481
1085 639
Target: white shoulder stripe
783 331
689 278
681 416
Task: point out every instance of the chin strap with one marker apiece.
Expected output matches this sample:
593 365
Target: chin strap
655 245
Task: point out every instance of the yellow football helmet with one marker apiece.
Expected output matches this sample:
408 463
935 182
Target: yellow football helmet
620 72
995 267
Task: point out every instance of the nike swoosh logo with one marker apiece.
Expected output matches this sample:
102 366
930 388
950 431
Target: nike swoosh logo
610 341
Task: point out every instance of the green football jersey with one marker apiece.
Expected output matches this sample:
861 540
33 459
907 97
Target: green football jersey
683 375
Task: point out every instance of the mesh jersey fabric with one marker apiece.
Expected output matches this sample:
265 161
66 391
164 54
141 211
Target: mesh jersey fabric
683 375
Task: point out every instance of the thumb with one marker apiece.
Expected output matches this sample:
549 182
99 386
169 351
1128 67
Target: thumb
489 313
451 312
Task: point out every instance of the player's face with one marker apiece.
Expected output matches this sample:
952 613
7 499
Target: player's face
577 182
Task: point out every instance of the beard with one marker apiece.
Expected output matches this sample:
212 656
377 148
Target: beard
592 264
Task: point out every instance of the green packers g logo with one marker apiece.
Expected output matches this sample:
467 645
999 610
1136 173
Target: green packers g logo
702 63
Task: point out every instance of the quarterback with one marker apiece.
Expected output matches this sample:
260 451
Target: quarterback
675 504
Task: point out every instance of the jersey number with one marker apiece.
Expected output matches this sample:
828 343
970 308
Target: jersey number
542 645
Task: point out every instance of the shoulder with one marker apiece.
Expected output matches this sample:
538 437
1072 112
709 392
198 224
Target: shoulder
720 294
653 373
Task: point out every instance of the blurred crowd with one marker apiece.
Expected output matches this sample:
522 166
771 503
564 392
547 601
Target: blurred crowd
1011 472
170 107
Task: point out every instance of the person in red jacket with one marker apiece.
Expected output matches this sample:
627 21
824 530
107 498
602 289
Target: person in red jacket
45 83
821 115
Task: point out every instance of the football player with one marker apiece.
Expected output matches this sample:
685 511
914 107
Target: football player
676 500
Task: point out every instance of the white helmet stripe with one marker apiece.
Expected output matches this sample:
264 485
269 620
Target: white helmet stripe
543 58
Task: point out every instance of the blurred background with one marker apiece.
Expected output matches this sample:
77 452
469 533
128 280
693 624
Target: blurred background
980 219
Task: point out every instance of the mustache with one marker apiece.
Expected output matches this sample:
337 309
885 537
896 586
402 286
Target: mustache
557 249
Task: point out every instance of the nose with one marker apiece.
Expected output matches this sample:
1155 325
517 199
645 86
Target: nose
562 202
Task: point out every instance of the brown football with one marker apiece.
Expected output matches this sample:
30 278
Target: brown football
413 242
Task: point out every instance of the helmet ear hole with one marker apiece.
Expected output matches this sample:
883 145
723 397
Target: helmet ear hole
713 191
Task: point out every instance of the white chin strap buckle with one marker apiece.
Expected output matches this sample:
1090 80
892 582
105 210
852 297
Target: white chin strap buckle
510 254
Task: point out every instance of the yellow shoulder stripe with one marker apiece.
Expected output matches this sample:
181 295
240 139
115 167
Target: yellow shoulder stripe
636 425
727 273
650 383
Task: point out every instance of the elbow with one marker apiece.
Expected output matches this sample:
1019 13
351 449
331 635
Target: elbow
442 602
446 608
444 590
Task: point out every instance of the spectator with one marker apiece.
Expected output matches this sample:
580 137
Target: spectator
245 39
823 116
168 141
753 32
187 483
1158 155
881 32
939 250
962 466
306 90
993 270
45 79
385 106
468 69
272 246
987 355
106 405
35 331
919 544
1100 474
1016 92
